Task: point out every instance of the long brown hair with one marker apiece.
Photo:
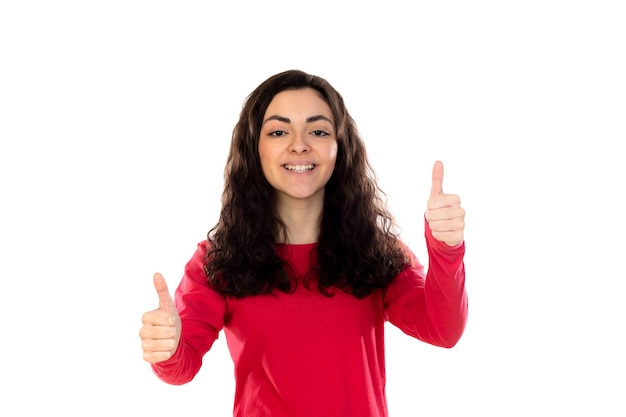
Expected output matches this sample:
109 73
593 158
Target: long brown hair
358 249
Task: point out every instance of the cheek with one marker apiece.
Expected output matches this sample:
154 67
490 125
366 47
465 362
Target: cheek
265 155
332 152
268 157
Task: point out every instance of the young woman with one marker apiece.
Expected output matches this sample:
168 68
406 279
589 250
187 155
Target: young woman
304 266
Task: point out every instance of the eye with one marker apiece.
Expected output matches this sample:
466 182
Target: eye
277 133
320 133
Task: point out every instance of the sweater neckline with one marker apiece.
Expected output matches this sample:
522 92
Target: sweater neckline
291 249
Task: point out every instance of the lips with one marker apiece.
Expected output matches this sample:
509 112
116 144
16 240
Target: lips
299 168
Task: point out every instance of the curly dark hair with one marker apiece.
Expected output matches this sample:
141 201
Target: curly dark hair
358 249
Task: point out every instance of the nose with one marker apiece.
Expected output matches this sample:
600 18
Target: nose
299 143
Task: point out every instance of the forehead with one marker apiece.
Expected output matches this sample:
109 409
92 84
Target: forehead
305 101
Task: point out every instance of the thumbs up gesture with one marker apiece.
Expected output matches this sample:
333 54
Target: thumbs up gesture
445 216
160 332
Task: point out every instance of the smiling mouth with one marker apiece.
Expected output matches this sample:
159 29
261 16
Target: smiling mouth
299 168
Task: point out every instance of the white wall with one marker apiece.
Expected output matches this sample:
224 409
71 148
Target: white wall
115 118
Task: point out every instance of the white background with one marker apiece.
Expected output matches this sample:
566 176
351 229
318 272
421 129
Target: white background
115 120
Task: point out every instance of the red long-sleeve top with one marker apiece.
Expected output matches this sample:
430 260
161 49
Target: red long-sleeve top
304 354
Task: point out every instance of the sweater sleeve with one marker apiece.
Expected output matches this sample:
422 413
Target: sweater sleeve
431 306
202 311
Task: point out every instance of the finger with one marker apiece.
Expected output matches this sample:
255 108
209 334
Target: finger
152 345
444 200
156 357
437 185
157 318
446 213
166 303
449 238
453 225
153 333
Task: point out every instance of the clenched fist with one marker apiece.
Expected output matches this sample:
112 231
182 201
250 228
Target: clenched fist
444 213
160 332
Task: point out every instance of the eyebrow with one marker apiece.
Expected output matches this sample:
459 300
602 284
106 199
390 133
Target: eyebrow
311 119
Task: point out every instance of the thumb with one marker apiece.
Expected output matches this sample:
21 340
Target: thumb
165 299
437 186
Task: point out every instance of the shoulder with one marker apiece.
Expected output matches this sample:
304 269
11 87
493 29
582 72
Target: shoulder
409 254
198 258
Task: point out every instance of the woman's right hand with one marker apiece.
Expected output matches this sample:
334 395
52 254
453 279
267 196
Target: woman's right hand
160 332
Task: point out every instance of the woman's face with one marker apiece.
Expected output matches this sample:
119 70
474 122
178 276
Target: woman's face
298 145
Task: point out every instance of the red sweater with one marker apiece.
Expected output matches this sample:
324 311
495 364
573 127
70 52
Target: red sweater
304 354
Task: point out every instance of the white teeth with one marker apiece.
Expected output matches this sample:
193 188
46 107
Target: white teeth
299 168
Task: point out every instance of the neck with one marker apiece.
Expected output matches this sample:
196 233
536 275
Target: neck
302 219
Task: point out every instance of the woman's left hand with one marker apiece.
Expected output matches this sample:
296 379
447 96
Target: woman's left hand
445 216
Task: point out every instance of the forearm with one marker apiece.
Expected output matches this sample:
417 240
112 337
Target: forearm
445 292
